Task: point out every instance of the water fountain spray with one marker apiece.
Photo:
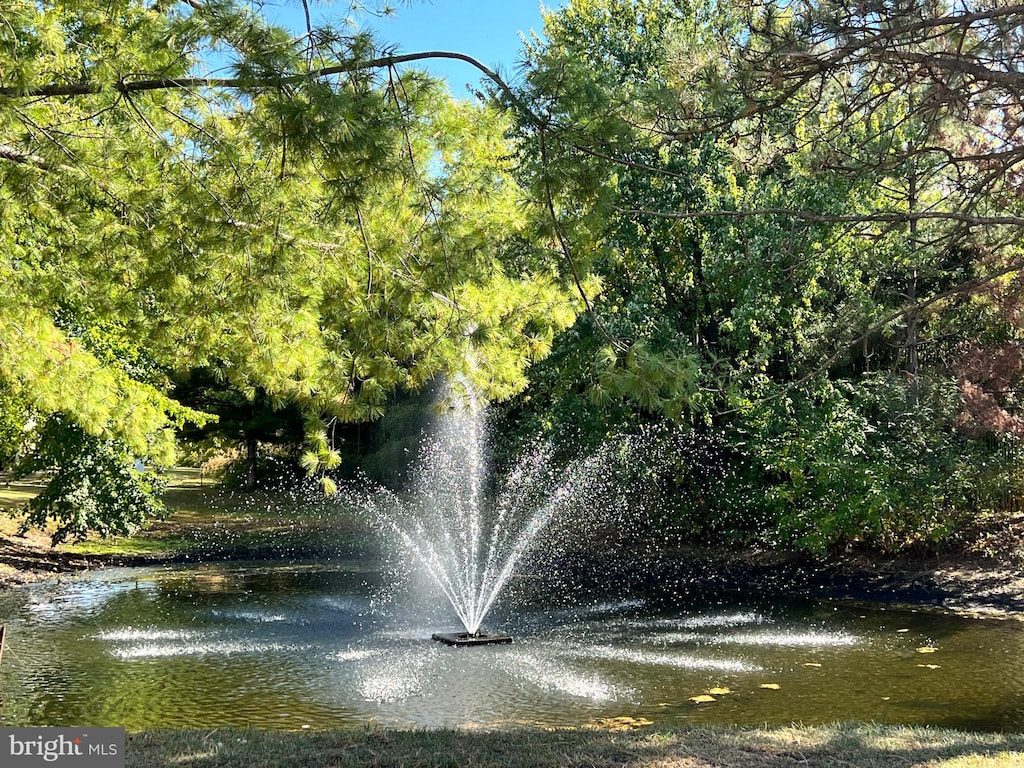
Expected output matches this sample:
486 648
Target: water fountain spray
468 544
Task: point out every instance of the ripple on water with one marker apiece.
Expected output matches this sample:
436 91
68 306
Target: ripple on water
131 634
397 678
345 604
675 638
708 621
58 604
356 654
653 658
616 606
550 675
409 633
215 648
722 620
256 617
788 639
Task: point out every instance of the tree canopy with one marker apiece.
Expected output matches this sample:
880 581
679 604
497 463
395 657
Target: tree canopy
792 229
316 226
807 224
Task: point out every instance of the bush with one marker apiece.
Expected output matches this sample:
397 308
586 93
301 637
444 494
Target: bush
871 462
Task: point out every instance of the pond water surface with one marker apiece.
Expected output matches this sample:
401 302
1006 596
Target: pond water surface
315 646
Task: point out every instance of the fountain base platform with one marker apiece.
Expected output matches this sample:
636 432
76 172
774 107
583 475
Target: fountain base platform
465 638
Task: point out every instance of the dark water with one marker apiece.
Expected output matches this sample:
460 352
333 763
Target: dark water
317 646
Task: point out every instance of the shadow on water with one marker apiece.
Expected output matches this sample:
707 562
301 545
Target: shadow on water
1004 716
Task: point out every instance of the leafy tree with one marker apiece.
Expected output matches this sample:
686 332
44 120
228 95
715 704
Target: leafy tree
248 421
96 485
796 264
318 226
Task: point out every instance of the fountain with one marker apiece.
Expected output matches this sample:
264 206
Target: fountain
317 645
465 638
467 540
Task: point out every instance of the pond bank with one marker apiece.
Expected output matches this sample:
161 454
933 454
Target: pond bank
985 588
851 746
960 583
207 524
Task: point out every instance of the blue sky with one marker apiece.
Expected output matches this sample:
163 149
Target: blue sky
487 30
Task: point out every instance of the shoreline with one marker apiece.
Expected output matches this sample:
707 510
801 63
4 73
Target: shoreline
981 587
978 587
206 524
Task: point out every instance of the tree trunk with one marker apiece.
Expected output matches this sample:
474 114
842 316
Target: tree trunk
912 314
250 463
912 338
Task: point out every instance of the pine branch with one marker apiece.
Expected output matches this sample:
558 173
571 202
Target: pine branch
7 152
970 220
256 83
566 251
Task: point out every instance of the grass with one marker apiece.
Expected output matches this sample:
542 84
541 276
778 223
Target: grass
207 522
841 746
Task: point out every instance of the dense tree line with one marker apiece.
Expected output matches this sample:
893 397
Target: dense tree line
806 221
792 230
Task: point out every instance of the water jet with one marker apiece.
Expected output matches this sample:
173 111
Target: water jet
457 533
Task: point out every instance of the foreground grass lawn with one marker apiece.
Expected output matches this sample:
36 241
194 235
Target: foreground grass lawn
842 746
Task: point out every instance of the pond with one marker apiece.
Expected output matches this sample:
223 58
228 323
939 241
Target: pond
321 646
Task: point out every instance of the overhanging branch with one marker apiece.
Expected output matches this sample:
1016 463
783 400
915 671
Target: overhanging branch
971 220
258 83
7 152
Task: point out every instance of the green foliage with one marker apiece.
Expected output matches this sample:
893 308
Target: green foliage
388 447
96 485
274 467
318 239
853 462
755 276
15 423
